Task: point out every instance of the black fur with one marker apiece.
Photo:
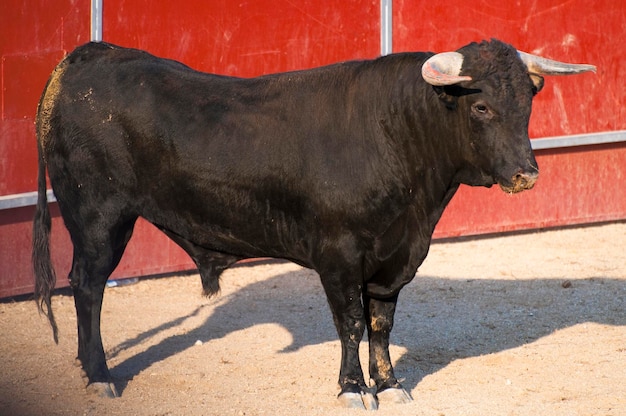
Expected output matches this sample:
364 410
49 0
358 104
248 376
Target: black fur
345 169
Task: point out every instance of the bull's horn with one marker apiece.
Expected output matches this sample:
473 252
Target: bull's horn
444 69
542 66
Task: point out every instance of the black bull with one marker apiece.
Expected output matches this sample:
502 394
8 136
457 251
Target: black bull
345 169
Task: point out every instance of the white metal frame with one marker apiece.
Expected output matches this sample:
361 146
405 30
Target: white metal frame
96 20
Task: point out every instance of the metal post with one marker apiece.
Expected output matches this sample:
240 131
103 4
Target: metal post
96 20
386 27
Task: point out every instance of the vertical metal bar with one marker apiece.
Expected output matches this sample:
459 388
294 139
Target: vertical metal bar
386 27
96 20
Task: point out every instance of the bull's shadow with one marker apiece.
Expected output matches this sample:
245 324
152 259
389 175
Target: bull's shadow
294 300
438 320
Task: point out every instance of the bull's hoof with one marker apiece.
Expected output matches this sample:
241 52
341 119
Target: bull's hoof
365 401
394 395
102 389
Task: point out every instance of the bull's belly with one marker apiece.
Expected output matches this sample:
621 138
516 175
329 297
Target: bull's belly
248 238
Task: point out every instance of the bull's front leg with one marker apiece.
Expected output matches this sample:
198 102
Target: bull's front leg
379 315
348 314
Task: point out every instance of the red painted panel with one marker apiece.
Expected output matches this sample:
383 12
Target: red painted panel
252 38
247 38
573 182
575 186
149 252
34 35
585 31
26 76
16 275
42 26
243 39
18 156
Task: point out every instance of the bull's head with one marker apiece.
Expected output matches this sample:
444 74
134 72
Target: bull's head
492 84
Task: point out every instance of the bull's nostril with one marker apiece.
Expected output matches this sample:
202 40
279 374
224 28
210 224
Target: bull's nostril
524 180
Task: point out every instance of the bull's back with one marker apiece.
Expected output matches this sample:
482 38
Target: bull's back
104 96
141 114
219 160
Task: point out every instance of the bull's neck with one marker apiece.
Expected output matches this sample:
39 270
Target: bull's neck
415 122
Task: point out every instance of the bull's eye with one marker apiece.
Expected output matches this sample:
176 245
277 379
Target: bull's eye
481 108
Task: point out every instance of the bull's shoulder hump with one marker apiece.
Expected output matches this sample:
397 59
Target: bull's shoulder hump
97 54
97 50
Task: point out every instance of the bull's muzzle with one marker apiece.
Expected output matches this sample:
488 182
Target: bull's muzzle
521 181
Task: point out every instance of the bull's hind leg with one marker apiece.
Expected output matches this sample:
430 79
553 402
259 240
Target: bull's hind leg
98 248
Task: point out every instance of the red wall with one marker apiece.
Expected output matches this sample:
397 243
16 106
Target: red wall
576 185
247 38
34 35
579 31
33 38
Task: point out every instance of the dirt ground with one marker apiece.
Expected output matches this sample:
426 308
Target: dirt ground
527 324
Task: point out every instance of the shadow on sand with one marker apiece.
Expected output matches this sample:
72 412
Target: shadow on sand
438 320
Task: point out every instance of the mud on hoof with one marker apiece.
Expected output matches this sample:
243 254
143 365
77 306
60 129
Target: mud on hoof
102 389
394 395
362 400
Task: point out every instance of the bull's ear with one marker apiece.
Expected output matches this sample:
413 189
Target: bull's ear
445 96
444 69
537 82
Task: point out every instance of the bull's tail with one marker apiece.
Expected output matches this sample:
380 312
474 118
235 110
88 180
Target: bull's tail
45 278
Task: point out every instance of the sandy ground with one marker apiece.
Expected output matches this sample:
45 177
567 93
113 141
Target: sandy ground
528 324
